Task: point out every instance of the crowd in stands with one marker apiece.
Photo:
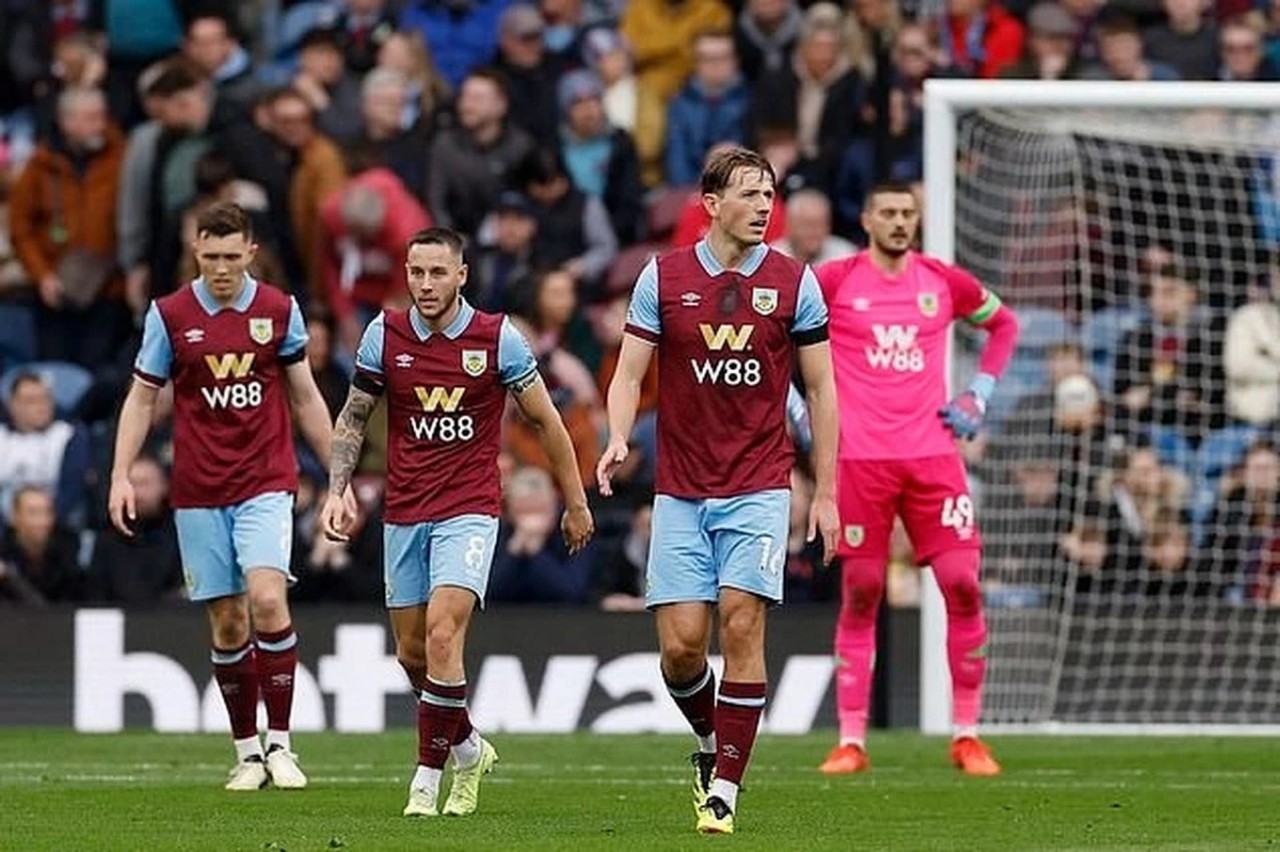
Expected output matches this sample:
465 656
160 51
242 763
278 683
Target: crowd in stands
563 137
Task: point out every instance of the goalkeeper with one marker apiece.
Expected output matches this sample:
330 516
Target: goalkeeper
890 315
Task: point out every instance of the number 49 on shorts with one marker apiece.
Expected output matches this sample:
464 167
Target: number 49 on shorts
957 514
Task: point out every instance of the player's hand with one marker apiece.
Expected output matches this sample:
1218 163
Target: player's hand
824 520
338 515
121 505
964 414
578 526
614 455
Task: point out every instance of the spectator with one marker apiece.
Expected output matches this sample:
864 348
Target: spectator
1051 45
462 34
1243 556
660 33
384 96
1120 53
328 86
1241 55
211 46
564 23
809 238
1186 41
601 159
1168 381
363 27
37 449
364 229
317 172
137 33
427 92
78 61
1251 356
606 52
530 71
531 563
981 38
37 557
62 217
764 35
1167 567
818 96
145 568
710 109
471 162
574 234
622 566
327 570
501 271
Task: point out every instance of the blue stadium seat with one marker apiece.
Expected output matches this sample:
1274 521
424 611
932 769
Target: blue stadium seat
17 335
69 382
1102 333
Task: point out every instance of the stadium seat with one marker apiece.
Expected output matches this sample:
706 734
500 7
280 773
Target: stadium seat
17 335
1102 332
69 382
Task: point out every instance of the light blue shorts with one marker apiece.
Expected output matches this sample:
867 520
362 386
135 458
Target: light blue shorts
699 547
218 545
453 552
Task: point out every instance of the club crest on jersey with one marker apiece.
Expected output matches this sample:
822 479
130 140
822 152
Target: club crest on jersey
854 534
475 361
260 330
764 300
928 304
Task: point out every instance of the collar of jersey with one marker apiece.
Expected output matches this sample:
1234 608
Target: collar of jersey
750 263
454 329
210 304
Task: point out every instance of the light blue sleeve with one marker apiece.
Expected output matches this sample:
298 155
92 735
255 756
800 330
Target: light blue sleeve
369 352
811 310
295 337
643 311
516 363
155 355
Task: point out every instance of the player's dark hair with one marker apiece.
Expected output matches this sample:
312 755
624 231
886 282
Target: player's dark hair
447 237
224 219
719 169
889 187
177 75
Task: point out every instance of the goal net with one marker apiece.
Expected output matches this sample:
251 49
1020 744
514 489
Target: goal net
1127 484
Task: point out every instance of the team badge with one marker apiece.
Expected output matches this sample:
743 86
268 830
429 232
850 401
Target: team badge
764 300
928 304
853 535
260 329
475 361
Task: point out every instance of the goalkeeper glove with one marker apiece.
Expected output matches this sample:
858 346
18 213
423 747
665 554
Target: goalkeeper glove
964 414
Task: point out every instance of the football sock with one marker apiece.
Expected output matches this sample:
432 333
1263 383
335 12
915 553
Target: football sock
957 575
237 679
439 713
277 659
737 720
863 586
697 701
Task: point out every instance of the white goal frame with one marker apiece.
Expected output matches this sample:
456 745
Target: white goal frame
943 102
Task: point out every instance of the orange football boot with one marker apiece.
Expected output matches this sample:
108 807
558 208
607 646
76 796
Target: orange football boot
845 760
972 757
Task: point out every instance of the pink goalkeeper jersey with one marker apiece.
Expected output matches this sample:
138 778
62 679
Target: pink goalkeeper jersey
889 350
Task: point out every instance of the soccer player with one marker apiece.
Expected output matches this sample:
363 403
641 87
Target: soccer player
891 312
727 316
234 349
446 370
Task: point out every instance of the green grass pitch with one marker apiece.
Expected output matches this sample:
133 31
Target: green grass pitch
62 791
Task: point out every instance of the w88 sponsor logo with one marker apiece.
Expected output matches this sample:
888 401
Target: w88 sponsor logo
731 370
896 349
237 395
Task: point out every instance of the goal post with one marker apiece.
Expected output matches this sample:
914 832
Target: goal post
1062 196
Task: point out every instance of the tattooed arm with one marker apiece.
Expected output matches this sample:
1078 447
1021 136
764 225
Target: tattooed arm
348 436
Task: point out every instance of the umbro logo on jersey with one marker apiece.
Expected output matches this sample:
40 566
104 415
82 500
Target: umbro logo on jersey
404 359
861 304
691 300
194 335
